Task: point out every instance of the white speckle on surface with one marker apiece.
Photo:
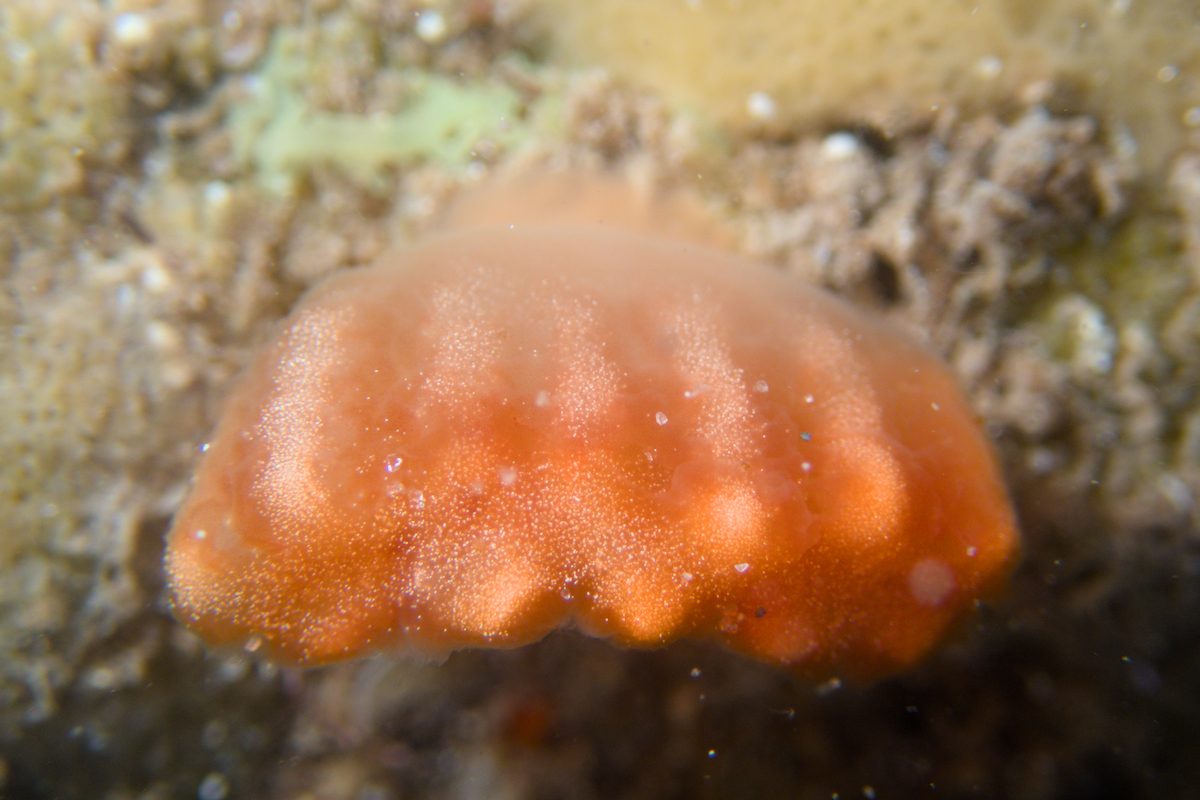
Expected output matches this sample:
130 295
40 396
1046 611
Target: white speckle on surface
201 534
761 106
687 576
542 399
660 418
393 463
808 398
507 476
431 26
741 567
972 552
806 466
762 387
1191 117
1168 73
839 146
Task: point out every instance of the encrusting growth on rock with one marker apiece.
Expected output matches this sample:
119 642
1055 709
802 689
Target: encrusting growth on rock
508 429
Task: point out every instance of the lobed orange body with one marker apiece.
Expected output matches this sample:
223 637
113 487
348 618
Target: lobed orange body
503 431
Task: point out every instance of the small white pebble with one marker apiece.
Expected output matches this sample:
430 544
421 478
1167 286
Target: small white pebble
839 146
217 195
660 418
431 26
989 68
761 106
213 787
162 336
156 279
131 29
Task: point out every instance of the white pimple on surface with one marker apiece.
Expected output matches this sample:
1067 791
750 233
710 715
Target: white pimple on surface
741 568
542 399
805 466
660 418
507 476
931 581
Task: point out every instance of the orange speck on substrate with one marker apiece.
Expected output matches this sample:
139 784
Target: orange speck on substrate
505 429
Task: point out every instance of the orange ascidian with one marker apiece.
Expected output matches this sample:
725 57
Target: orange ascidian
508 429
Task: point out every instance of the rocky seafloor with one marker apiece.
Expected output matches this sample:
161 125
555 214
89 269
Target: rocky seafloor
170 182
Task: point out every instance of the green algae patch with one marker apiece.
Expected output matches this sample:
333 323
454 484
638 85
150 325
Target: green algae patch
444 122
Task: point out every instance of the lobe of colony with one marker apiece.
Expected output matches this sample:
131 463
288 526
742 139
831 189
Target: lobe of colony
503 431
